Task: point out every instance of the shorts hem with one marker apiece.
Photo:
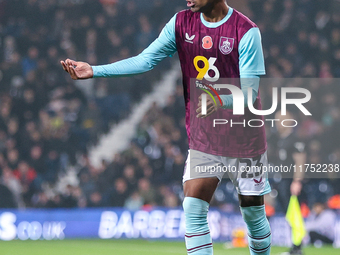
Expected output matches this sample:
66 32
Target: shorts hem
253 193
202 177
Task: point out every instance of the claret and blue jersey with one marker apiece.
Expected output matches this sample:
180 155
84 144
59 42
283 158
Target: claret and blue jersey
230 48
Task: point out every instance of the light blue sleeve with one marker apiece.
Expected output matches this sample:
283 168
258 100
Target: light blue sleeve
162 47
251 63
252 82
251 60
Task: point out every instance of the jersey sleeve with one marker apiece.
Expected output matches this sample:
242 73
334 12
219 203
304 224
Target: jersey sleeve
251 60
249 81
251 64
162 47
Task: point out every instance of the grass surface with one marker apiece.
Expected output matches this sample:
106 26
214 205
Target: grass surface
126 247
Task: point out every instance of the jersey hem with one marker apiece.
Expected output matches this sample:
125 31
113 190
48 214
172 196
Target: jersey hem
233 155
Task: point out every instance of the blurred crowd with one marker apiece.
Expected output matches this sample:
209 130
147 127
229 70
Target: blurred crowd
48 121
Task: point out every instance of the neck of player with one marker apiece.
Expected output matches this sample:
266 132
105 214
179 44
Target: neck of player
217 12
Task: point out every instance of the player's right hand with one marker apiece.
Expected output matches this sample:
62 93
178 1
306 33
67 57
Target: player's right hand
77 70
211 107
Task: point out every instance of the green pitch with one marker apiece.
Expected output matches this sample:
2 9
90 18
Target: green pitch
125 247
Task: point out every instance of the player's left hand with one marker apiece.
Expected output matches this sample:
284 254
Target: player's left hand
211 106
295 188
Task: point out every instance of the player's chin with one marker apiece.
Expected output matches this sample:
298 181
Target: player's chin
195 8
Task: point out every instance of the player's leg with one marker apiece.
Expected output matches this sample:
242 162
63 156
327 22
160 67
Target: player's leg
251 186
254 215
317 238
199 187
198 193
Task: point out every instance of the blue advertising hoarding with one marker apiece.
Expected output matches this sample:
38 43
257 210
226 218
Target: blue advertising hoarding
116 223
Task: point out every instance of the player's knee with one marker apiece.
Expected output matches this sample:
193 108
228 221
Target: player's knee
195 211
259 235
247 201
195 205
255 216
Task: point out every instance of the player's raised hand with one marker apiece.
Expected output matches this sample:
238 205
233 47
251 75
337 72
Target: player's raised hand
211 106
77 70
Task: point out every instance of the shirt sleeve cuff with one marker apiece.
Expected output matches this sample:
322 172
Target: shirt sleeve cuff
95 70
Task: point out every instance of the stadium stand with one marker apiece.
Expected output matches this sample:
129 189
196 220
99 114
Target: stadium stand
48 121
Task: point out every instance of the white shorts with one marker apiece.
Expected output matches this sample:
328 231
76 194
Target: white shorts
245 173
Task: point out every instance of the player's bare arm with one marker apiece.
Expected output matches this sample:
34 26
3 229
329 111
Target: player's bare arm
77 70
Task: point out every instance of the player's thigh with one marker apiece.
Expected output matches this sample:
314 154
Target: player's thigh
202 175
202 188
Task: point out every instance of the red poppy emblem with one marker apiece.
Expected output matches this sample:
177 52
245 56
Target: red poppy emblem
207 42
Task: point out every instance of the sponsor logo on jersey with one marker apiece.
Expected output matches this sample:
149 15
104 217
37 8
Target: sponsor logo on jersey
188 38
207 42
226 45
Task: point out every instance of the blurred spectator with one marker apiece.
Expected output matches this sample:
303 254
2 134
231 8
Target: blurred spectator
134 202
7 199
29 63
320 225
13 158
95 199
13 184
129 174
26 176
149 195
37 159
120 193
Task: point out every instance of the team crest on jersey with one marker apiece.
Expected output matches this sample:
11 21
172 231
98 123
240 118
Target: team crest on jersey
226 45
207 42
